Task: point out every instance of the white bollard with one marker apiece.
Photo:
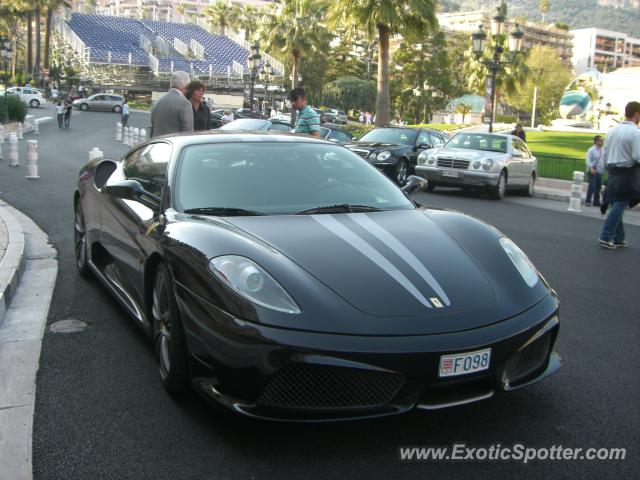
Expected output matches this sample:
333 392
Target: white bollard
14 161
143 135
129 134
1 134
95 154
118 132
19 131
32 159
125 135
575 200
136 137
36 127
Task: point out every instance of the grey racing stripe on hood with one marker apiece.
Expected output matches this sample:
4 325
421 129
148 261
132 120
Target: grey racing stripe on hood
386 237
371 253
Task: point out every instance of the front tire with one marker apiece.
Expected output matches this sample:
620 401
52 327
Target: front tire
431 187
80 242
170 346
500 189
34 103
84 107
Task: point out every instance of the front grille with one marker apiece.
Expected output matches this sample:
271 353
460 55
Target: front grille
453 163
329 387
529 360
361 153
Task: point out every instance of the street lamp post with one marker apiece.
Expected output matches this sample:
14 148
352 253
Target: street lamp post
5 53
254 67
496 62
266 75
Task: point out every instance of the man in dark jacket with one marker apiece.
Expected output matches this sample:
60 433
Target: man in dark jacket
173 113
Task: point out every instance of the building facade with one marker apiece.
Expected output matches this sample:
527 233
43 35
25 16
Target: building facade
534 33
604 50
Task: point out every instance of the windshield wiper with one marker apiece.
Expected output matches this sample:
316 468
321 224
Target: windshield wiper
340 208
223 211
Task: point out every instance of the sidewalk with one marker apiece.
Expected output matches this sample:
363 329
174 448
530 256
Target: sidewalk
560 190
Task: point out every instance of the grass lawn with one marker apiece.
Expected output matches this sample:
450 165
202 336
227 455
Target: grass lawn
560 144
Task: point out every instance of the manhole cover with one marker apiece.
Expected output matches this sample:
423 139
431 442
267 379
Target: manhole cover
68 326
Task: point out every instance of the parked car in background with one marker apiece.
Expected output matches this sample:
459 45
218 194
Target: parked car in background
321 114
28 95
109 102
216 117
335 116
395 150
492 162
258 125
336 135
284 117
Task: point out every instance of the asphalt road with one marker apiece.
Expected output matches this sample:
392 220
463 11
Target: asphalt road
101 412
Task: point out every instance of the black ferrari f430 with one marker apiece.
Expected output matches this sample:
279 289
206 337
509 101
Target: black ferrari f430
287 278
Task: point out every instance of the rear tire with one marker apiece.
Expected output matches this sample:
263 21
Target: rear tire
500 189
531 186
80 242
34 103
431 187
170 346
117 109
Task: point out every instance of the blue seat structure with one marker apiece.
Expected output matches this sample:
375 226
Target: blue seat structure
127 41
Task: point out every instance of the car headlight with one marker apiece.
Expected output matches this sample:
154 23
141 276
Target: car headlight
521 261
487 164
476 165
252 282
382 156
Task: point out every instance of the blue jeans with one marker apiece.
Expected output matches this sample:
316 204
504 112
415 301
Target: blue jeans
125 120
595 183
67 121
613 228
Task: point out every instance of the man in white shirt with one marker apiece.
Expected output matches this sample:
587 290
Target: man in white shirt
596 165
622 151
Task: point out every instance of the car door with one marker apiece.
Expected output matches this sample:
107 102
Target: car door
422 143
99 102
125 223
520 171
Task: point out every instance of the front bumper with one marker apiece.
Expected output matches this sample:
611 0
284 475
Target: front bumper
465 178
289 375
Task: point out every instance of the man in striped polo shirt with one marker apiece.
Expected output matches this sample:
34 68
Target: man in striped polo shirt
308 120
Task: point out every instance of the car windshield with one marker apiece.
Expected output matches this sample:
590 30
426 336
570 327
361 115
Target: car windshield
249 124
276 178
398 136
478 141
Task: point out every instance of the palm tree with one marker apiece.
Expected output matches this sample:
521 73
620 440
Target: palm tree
249 17
181 9
544 8
223 15
409 18
52 6
463 109
296 29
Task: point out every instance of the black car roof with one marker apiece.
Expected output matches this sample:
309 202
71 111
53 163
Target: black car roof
237 136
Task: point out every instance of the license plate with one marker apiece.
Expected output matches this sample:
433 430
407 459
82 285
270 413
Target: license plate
464 363
450 173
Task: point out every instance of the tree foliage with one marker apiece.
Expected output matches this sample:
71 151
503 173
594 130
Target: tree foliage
550 75
350 93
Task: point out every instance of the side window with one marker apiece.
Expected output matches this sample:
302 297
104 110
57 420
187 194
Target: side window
436 140
148 165
423 138
519 145
99 98
342 137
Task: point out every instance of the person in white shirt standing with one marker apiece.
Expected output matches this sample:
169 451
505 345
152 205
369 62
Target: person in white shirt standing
622 152
596 165
125 113
60 114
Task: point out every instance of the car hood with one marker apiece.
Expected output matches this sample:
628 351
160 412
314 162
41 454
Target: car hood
385 264
466 154
374 146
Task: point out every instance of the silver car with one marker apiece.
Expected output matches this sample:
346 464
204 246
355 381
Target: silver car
100 101
489 161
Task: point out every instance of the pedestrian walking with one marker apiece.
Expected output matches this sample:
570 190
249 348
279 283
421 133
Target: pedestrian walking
519 132
361 117
622 153
596 164
367 118
173 113
67 113
308 120
125 113
273 112
60 114
201 111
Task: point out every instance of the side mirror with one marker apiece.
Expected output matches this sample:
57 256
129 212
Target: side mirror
334 140
103 171
414 184
425 146
354 139
133 190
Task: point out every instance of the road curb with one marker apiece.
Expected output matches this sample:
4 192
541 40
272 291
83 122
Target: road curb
13 262
21 334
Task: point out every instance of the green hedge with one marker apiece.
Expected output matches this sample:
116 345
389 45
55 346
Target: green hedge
12 109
